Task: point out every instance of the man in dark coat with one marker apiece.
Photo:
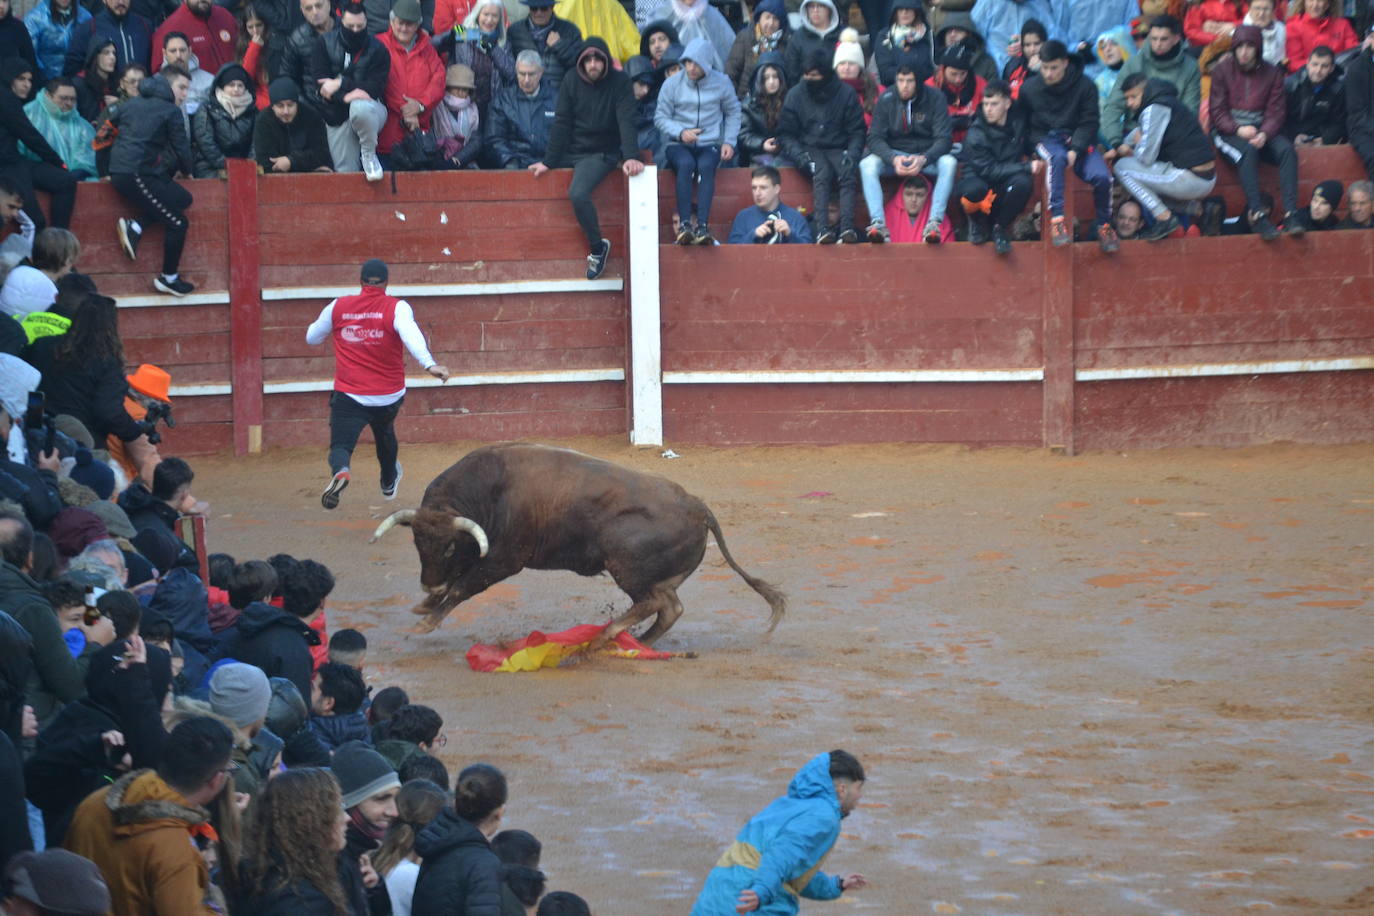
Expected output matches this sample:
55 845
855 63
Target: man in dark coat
1316 101
1359 101
593 131
558 41
131 33
289 136
50 173
822 131
345 82
368 785
521 116
278 640
910 135
996 162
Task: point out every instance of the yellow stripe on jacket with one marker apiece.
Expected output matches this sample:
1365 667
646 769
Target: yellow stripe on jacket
747 856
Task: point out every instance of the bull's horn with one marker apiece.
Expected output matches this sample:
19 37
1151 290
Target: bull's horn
399 517
474 529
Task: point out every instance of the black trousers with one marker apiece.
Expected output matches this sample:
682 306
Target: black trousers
588 172
1012 195
831 168
346 421
162 201
41 176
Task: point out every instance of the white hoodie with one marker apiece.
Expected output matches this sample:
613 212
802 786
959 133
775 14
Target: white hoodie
1275 41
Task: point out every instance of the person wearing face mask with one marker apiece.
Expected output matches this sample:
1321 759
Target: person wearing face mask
483 50
345 84
457 121
222 128
822 131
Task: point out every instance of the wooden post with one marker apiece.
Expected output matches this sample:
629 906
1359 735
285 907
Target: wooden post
245 306
645 376
1057 341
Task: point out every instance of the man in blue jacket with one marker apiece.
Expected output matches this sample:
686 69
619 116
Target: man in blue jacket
769 221
131 33
520 116
776 858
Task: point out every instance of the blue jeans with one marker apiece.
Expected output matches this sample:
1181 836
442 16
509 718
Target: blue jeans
872 169
1089 166
694 165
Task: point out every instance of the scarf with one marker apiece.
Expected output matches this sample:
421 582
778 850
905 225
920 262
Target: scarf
235 106
904 36
685 14
355 817
540 34
454 121
765 43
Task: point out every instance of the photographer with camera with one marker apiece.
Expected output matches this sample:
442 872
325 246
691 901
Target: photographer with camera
769 221
148 401
27 478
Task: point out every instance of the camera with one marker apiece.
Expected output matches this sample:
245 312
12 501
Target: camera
36 418
158 410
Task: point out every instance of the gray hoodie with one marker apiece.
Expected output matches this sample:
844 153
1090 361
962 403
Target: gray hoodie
709 103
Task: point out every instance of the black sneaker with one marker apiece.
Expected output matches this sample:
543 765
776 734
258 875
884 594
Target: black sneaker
178 287
877 232
685 234
1263 228
128 237
337 484
389 492
849 237
596 261
1000 243
1161 229
977 228
826 237
703 235
1292 224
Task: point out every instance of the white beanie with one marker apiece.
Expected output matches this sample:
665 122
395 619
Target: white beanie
849 49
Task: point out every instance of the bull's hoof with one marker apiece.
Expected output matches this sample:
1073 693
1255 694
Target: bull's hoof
429 624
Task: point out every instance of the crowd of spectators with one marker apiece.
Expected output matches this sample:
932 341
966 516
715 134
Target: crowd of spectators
964 103
180 731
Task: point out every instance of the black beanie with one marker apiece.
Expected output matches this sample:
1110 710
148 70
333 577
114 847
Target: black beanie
283 89
1330 191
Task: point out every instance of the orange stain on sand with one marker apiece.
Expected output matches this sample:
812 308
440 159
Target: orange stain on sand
1119 580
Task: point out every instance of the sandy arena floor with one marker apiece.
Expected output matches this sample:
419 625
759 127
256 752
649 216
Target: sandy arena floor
1111 684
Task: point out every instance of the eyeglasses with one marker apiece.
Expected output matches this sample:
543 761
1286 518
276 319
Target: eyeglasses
441 741
69 99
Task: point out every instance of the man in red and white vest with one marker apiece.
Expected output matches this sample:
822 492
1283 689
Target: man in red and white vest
369 330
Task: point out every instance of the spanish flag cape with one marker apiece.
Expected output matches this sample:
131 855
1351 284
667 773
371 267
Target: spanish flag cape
548 650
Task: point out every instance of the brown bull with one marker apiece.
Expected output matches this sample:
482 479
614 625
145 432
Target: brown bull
504 508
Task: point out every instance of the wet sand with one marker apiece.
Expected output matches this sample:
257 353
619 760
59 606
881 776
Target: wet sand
1126 684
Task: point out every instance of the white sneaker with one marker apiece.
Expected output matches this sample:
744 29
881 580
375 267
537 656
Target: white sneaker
390 492
371 167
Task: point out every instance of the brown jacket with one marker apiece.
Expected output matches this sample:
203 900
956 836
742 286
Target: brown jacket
139 832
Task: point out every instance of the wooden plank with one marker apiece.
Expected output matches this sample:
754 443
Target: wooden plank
245 306
419 187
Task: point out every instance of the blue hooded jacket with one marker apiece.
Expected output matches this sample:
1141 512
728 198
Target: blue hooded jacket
51 38
779 852
708 103
999 23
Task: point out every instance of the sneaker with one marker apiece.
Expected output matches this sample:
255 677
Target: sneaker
932 233
390 492
1292 224
596 261
703 235
178 287
128 237
337 484
826 237
685 234
1107 238
1000 243
1161 229
1059 232
877 232
1263 228
977 228
372 167
849 237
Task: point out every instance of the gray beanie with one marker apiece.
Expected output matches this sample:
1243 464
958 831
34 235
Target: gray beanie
240 693
361 772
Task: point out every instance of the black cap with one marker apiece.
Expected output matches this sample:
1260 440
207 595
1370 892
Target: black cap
283 89
374 269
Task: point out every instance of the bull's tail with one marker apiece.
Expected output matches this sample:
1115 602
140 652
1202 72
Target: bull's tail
775 598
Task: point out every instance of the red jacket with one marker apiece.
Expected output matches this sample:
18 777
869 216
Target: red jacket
214 39
1260 89
1306 33
417 73
1210 11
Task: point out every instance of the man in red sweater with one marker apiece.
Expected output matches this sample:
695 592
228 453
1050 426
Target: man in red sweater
212 30
370 330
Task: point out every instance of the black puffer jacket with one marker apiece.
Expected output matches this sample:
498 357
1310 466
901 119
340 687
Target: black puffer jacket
15 127
594 117
152 133
92 391
458 871
216 134
145 510
754 127
1069 105
825 116
298 52
919 125
997 152
366 71
558 60
300 897
518 125
275 641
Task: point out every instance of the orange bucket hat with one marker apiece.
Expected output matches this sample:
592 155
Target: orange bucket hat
152 381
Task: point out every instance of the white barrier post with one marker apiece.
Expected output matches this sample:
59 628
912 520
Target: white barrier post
646 353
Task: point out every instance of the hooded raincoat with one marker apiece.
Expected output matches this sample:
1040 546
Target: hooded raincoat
699 20
68 133
778 854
